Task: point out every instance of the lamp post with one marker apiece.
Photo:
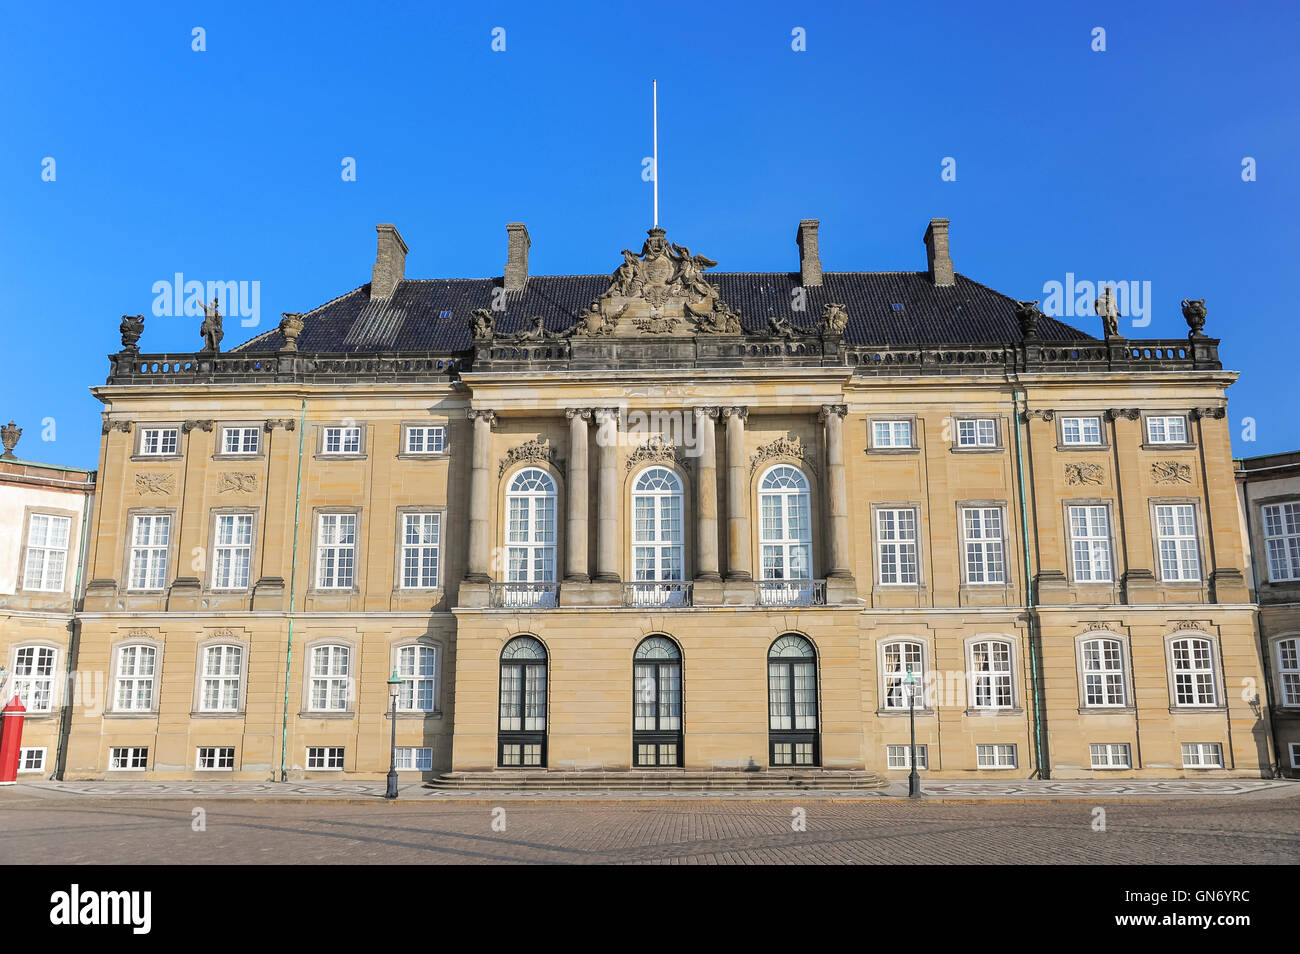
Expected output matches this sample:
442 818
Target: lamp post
913 780
394 690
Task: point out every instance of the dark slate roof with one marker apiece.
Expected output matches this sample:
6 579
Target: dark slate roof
412 319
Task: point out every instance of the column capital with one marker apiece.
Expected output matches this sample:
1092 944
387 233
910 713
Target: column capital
1128 413
477 413
604 414
1046 415
580 412
709 412
740 412
1217 413
838 410
196 425
287 423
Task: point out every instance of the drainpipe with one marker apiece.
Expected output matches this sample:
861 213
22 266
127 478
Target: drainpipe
74 640
1040 747
293 579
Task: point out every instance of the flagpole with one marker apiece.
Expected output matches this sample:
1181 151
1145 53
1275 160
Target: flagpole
654 85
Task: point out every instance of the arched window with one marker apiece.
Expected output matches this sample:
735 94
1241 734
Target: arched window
1288 670
900 656
657 525
991 674
34 677
521 737
657 703
136 669
530 531
417 667
330 686
1103 672
792 702
219 687
1193 665
785 527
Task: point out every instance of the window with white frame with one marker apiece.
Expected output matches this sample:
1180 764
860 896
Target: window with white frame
215 758
891 434
325 757
219 686
34 677
1202 754
232 551
31 759
1295 755
991 674
336 551
900 757
900 656
521 714
657 547
331 682
982 538
1180 557
1103 672
417 667
150 538
431 439
240 440
896 545
47 552
341 440
785 526
1288 670
1193 672
136 666
1167 430
131 758
977 432
421 541
1110 755
995 756
1282 540
413 759
530 527
1090 543
158 441
1081 430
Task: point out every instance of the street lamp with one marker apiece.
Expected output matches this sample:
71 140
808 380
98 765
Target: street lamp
913 780
394 690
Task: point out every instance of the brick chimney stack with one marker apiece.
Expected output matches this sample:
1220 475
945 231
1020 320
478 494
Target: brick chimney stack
390 262
517 245
936 253
810 263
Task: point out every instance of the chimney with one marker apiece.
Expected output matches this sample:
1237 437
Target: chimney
517 245
390 262
810 263
936 253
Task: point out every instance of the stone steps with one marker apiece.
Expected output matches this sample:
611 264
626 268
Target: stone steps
660 780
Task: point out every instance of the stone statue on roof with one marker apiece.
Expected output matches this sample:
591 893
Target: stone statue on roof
688 275
210 330
482 325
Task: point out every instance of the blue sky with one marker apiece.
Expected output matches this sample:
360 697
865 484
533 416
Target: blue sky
225 164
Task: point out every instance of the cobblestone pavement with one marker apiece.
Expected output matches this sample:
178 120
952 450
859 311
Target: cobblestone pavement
103 830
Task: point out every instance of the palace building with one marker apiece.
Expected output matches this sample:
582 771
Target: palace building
673 522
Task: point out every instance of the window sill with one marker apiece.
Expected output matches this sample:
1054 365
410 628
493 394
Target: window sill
157 458
439 455
130 715
236 458
350 714
892 450
994 713
978 450
1197 710
412 716
196 714
1168 447
903 713
1107 710
338 457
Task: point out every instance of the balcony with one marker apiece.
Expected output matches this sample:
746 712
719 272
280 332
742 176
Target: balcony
523 595
659 595
791 592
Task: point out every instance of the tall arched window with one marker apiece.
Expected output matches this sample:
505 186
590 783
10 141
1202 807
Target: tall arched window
899 657
785 530
530 531
1193 665
521 737
792 702
657 703
657 525
1288 670
991 673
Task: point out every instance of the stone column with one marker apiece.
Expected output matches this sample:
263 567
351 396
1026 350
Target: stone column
575 562
832 416
706 528
480 497
607 492
738 561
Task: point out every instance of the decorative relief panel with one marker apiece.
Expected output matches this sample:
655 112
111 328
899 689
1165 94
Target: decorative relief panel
1084 473
782 447
532 451
153 484
1171 472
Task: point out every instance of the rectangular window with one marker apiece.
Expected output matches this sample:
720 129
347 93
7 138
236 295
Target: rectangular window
983 539
1103 672
336 551
1193 672
426 440
232 551
417 667
1202 755
995 756
891 433
330 679
215 758
1167 430
1090 544
34 677
1180 558
1110 755
896 540
31 760
222 666
136 666
342 440
420 535
1295 755
240 440
150 536
414 759
982 432
1288 670
158 441
991 674
900 757
1282 541
47 552
134 758
1081 430
325 757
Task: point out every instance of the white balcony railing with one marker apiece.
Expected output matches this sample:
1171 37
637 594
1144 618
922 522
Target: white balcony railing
524 595
660 594
792 592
